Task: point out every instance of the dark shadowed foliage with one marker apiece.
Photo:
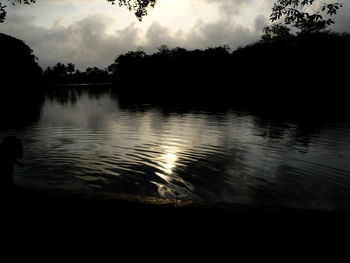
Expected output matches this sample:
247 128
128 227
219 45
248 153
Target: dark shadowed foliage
177 76
67 74
282 73
17 59
21 83
302 72
11 149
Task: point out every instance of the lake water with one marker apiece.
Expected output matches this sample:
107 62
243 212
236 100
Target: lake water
87 140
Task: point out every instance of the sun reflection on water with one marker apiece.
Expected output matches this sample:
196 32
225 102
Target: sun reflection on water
167 162
171 185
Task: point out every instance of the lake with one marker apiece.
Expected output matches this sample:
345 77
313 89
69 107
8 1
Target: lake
86 139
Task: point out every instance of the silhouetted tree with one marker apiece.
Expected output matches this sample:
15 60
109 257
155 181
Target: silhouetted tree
187 75
21 96
18 64
127 63
77 77
276 32
70 68
306 15
2 12
49 73
60 70
163 50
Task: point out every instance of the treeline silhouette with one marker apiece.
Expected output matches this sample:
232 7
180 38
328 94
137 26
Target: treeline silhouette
173 75
297 74
68 74
282 73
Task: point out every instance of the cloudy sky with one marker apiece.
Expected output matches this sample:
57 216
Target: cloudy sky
94 32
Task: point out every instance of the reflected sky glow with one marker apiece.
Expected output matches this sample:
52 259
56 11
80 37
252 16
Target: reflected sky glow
93 144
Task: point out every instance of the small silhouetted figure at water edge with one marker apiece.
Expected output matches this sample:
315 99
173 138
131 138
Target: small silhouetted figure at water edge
11 149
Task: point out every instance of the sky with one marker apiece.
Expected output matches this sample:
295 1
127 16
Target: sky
94 32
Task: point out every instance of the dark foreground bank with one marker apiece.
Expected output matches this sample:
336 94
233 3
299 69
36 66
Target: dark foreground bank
62 207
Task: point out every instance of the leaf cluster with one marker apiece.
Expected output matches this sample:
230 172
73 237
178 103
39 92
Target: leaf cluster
139 6
305 15
13 2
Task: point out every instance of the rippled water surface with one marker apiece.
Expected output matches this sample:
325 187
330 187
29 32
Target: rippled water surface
89 140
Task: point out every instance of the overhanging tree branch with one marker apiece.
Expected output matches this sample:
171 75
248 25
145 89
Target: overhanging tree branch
305 15
139 6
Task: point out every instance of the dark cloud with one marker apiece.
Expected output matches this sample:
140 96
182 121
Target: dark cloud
201 36
85 43
157 35
222 33
260 22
